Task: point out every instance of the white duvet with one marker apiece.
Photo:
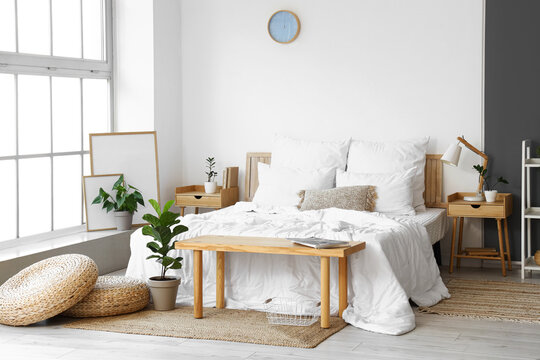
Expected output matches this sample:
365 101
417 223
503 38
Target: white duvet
396 265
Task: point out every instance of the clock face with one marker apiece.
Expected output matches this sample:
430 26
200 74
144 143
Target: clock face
284 26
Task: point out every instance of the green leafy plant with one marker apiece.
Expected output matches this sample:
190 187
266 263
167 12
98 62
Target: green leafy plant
210 164
483 173
127 197
162 230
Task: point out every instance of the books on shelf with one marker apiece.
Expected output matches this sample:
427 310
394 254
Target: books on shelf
230 177
482 251
318 243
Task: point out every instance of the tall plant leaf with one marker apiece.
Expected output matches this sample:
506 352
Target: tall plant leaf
155 205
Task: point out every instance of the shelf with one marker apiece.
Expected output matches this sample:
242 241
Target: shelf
531 265
532 213
532 162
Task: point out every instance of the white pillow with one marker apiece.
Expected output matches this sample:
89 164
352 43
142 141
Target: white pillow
376 157
394 190
309 154
280 186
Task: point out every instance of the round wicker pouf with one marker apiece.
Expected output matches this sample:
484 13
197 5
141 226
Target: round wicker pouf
112 295
46 288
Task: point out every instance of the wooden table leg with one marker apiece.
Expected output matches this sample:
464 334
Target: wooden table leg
451 268
196 210
343 270
197 284
220 279
460 242
501 246
182 210
325 292
507 244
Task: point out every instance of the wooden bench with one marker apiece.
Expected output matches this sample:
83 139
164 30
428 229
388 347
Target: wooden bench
264 245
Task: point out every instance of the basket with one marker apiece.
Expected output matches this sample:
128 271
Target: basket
537 257
288 311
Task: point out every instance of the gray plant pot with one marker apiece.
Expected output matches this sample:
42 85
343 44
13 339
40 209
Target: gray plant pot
163 292
123 220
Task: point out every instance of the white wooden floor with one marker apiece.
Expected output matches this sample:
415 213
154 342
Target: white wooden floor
436 337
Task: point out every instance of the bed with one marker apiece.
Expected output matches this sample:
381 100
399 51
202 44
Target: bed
397 264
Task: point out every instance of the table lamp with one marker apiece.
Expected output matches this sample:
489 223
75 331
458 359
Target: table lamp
451 157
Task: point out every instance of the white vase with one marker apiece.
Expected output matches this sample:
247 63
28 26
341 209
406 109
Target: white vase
491 195
123 220
210 187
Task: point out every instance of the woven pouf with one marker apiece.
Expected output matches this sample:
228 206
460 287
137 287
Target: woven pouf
112 295
46 288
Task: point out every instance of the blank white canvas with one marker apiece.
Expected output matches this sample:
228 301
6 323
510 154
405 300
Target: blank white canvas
96 217
135 156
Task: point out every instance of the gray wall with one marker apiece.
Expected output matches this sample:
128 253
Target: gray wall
512 101
110 253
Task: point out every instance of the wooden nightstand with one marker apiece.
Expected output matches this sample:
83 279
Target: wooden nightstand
499 210
194 195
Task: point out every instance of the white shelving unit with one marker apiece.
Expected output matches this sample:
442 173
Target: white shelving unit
528 212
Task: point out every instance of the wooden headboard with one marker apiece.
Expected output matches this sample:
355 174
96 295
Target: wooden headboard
433 181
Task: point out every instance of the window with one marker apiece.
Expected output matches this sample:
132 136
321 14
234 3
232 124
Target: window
55 89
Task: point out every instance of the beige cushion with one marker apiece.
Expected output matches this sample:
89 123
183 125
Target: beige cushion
112 295
46 289
360 198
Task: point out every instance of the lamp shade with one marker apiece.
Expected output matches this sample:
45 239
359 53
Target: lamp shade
451 155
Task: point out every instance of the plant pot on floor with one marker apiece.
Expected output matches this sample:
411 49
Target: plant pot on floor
491 195
210 187
123 220
163 292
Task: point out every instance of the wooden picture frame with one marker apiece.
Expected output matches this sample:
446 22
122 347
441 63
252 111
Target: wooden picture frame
98 219
133 154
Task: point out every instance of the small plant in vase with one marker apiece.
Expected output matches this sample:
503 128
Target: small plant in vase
490 191
163 229
124 203
210 186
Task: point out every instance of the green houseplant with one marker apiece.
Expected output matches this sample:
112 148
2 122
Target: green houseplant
163 228
124 203
490 192
210 186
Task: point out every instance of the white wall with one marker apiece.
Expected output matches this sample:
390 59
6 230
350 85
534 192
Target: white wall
167 94
134 65
148 79
206 75
378 69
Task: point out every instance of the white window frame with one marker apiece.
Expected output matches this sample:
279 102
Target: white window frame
57 66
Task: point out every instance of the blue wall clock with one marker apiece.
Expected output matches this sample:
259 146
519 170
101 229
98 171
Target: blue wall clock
284 26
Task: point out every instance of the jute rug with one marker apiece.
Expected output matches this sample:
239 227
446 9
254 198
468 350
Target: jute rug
217 324
490 300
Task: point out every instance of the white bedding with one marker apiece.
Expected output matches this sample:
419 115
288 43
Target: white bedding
396 265
435 221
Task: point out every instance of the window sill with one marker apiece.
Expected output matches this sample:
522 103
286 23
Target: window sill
25 248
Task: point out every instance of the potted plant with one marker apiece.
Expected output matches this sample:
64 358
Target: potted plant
490 192
162 229
124 203
210 186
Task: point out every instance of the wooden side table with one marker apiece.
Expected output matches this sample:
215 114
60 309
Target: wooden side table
499 210
194 195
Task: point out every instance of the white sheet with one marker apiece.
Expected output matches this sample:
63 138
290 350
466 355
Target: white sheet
396 265
435 221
